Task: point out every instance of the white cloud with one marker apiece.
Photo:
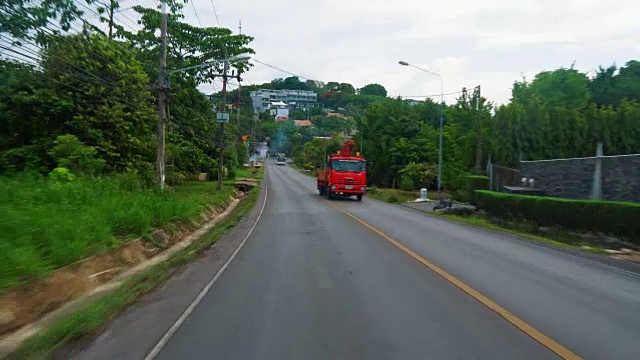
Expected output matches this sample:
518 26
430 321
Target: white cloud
470 42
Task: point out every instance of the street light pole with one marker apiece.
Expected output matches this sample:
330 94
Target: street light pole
440 146
404 63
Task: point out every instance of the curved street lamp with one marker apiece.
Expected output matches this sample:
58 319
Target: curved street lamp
404 63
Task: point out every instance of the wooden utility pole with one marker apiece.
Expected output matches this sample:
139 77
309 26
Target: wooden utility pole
112 9
162 97
478 114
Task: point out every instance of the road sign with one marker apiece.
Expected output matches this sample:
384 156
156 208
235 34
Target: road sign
223 117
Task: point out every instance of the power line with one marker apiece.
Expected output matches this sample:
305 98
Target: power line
78 77
79 73
282 70
215 12
428 96
97 77
19 53
196 12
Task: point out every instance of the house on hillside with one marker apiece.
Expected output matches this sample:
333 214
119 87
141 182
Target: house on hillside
303 123
296 99
279 108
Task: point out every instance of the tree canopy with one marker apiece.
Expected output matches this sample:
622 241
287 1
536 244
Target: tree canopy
373 89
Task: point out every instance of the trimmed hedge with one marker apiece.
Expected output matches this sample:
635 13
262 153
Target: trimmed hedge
474 183
616 218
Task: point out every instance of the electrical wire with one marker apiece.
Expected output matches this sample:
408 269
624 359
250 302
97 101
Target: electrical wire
95 76
19 53
215 13
429 96
76 76
80 73
196 12
281 70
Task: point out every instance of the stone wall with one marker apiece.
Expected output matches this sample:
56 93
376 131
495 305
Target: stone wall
573 178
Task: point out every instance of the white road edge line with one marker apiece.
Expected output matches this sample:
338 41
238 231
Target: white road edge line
174 328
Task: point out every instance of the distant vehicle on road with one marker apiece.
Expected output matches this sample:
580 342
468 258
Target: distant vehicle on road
281 160
345 174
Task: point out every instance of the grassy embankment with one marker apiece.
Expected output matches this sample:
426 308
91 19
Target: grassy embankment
87 322
46 225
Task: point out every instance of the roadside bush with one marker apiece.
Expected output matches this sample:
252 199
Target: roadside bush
393 198
614 218
476 183
373 190
61 174
407 184
71 153
174 177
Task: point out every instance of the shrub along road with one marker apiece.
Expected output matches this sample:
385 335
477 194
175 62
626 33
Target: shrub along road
313 282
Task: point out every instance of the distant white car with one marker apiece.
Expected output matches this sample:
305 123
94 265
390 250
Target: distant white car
281 160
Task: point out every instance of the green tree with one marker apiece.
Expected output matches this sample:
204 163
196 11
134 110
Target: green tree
29 19
111 106
328 125
297 115
422 175
562 87
340 87
373 89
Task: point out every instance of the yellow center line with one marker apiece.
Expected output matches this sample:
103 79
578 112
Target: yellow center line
543 339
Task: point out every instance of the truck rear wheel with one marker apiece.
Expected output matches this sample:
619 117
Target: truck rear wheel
359 197
321 190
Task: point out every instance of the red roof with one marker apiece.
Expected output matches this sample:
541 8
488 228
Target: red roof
303 123
282 118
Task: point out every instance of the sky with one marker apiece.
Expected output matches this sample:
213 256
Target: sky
490 43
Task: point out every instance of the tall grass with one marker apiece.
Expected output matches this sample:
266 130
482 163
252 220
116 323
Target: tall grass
45 225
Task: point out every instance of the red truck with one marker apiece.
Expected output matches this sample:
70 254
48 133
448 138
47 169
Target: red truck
345 174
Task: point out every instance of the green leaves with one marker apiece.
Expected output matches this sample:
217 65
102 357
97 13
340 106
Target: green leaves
615 218
72 155
373 89
29 19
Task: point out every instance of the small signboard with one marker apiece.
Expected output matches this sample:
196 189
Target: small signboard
223 117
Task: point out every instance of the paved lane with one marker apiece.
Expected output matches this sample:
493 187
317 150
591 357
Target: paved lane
590 308
312 283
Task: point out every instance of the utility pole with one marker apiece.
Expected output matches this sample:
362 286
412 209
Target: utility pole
476 96
223 117
238 94
162 94
111 9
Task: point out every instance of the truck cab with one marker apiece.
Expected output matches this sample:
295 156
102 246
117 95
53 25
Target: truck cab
344 174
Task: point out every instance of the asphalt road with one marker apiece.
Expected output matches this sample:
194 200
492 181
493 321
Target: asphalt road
313 283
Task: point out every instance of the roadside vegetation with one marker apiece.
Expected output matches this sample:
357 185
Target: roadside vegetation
48 224
85 323
619 219
78 121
